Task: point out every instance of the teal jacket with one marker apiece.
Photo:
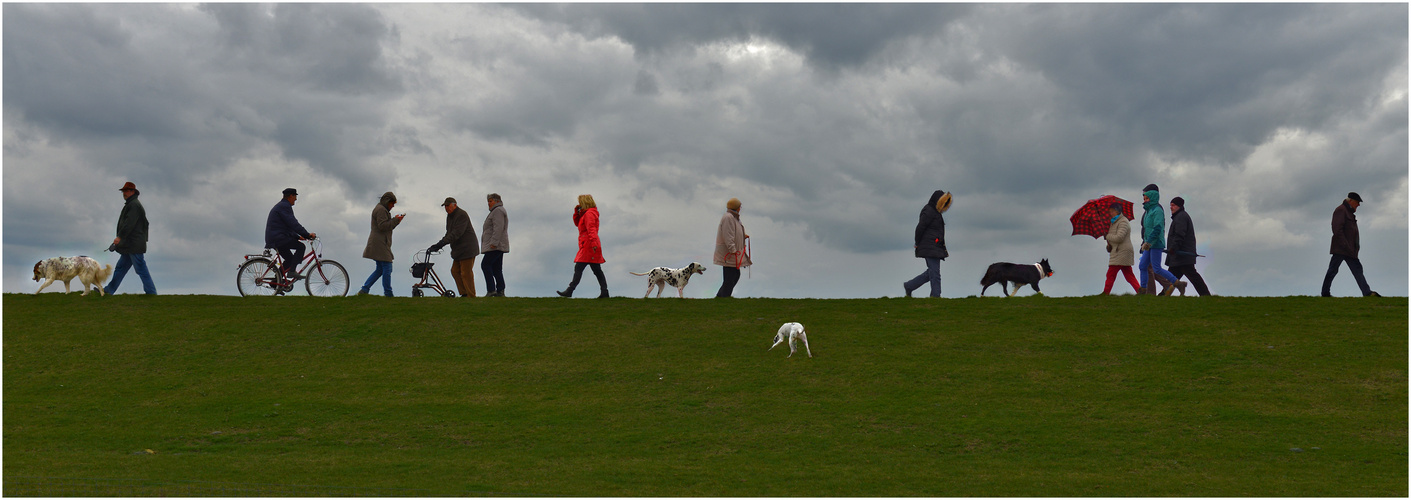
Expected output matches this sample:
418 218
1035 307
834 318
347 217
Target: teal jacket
1154 221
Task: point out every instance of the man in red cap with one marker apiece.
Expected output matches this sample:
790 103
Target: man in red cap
131 242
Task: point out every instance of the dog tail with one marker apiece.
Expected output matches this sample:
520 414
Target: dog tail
105 273
639 274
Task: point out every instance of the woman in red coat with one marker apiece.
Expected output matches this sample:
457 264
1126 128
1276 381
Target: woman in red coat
590 248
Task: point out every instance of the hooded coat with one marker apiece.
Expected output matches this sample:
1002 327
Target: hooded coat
1153 221
132 227
590 248
460 234
931 231
379 241
1181 240
1119 235
1346 240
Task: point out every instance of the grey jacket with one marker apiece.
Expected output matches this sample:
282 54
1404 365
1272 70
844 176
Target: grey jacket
460 234
496 231
379 242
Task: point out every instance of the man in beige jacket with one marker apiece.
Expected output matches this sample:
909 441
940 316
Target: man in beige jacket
731 252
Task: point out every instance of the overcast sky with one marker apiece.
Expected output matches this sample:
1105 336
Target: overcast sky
831 123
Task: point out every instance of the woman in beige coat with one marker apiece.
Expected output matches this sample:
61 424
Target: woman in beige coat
1121 255
730 253
379 243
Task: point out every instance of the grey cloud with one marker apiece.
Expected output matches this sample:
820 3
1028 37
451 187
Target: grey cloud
832 128
173 94
830 35
1207 82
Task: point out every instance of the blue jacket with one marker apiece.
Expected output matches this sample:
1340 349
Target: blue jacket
1154 221
282 227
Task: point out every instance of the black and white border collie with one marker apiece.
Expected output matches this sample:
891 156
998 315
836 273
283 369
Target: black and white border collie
1005 273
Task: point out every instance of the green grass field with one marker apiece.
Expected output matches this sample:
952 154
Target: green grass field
1113 396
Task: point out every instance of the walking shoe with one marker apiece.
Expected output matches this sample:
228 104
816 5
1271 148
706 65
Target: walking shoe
604 295
362 292
1181 285
566 293
1373 294
908 290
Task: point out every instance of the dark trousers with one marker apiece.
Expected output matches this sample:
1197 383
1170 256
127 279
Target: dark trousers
727 287
492 266
1189 273
1353 265
932 276
292 252
578 275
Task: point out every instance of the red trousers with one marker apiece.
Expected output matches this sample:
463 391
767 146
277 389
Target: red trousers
1126 272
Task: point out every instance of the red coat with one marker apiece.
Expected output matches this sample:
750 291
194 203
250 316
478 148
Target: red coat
590 248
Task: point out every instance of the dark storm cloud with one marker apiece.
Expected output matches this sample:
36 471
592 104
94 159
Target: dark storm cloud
830 35
1207 82
1044 104
172 94
833 123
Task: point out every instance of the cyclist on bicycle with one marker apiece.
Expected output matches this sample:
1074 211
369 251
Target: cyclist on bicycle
283 232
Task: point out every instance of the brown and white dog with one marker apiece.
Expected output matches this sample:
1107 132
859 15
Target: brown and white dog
65 269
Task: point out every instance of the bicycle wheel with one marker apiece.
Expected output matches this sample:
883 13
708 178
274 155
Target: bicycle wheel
327 279
254 276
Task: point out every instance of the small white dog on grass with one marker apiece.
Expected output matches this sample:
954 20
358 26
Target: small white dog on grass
791 331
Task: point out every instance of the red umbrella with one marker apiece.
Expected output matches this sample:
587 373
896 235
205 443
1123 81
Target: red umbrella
1094 218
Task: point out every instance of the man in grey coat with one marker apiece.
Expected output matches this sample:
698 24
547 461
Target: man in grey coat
460 235
494 244
1346 244
131 242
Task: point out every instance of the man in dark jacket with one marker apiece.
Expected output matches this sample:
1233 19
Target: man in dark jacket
1180 248
283 232
131 242
460 234
1346 244
930 243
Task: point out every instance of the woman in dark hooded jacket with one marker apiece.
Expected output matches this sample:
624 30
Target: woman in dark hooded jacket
930 243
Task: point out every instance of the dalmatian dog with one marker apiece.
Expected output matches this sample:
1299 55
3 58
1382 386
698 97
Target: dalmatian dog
790 332
65 269
662 276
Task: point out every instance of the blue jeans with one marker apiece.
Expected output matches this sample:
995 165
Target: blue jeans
492 266
932 274
131 260
383 269
1151 259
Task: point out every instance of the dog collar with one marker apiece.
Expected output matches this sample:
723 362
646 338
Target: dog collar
1041 271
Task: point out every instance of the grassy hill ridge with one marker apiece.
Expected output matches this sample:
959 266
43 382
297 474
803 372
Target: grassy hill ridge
1110 396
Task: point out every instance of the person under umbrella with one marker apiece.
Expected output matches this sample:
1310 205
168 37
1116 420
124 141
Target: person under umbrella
1121 255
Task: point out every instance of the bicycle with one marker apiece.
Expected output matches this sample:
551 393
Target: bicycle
260 275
